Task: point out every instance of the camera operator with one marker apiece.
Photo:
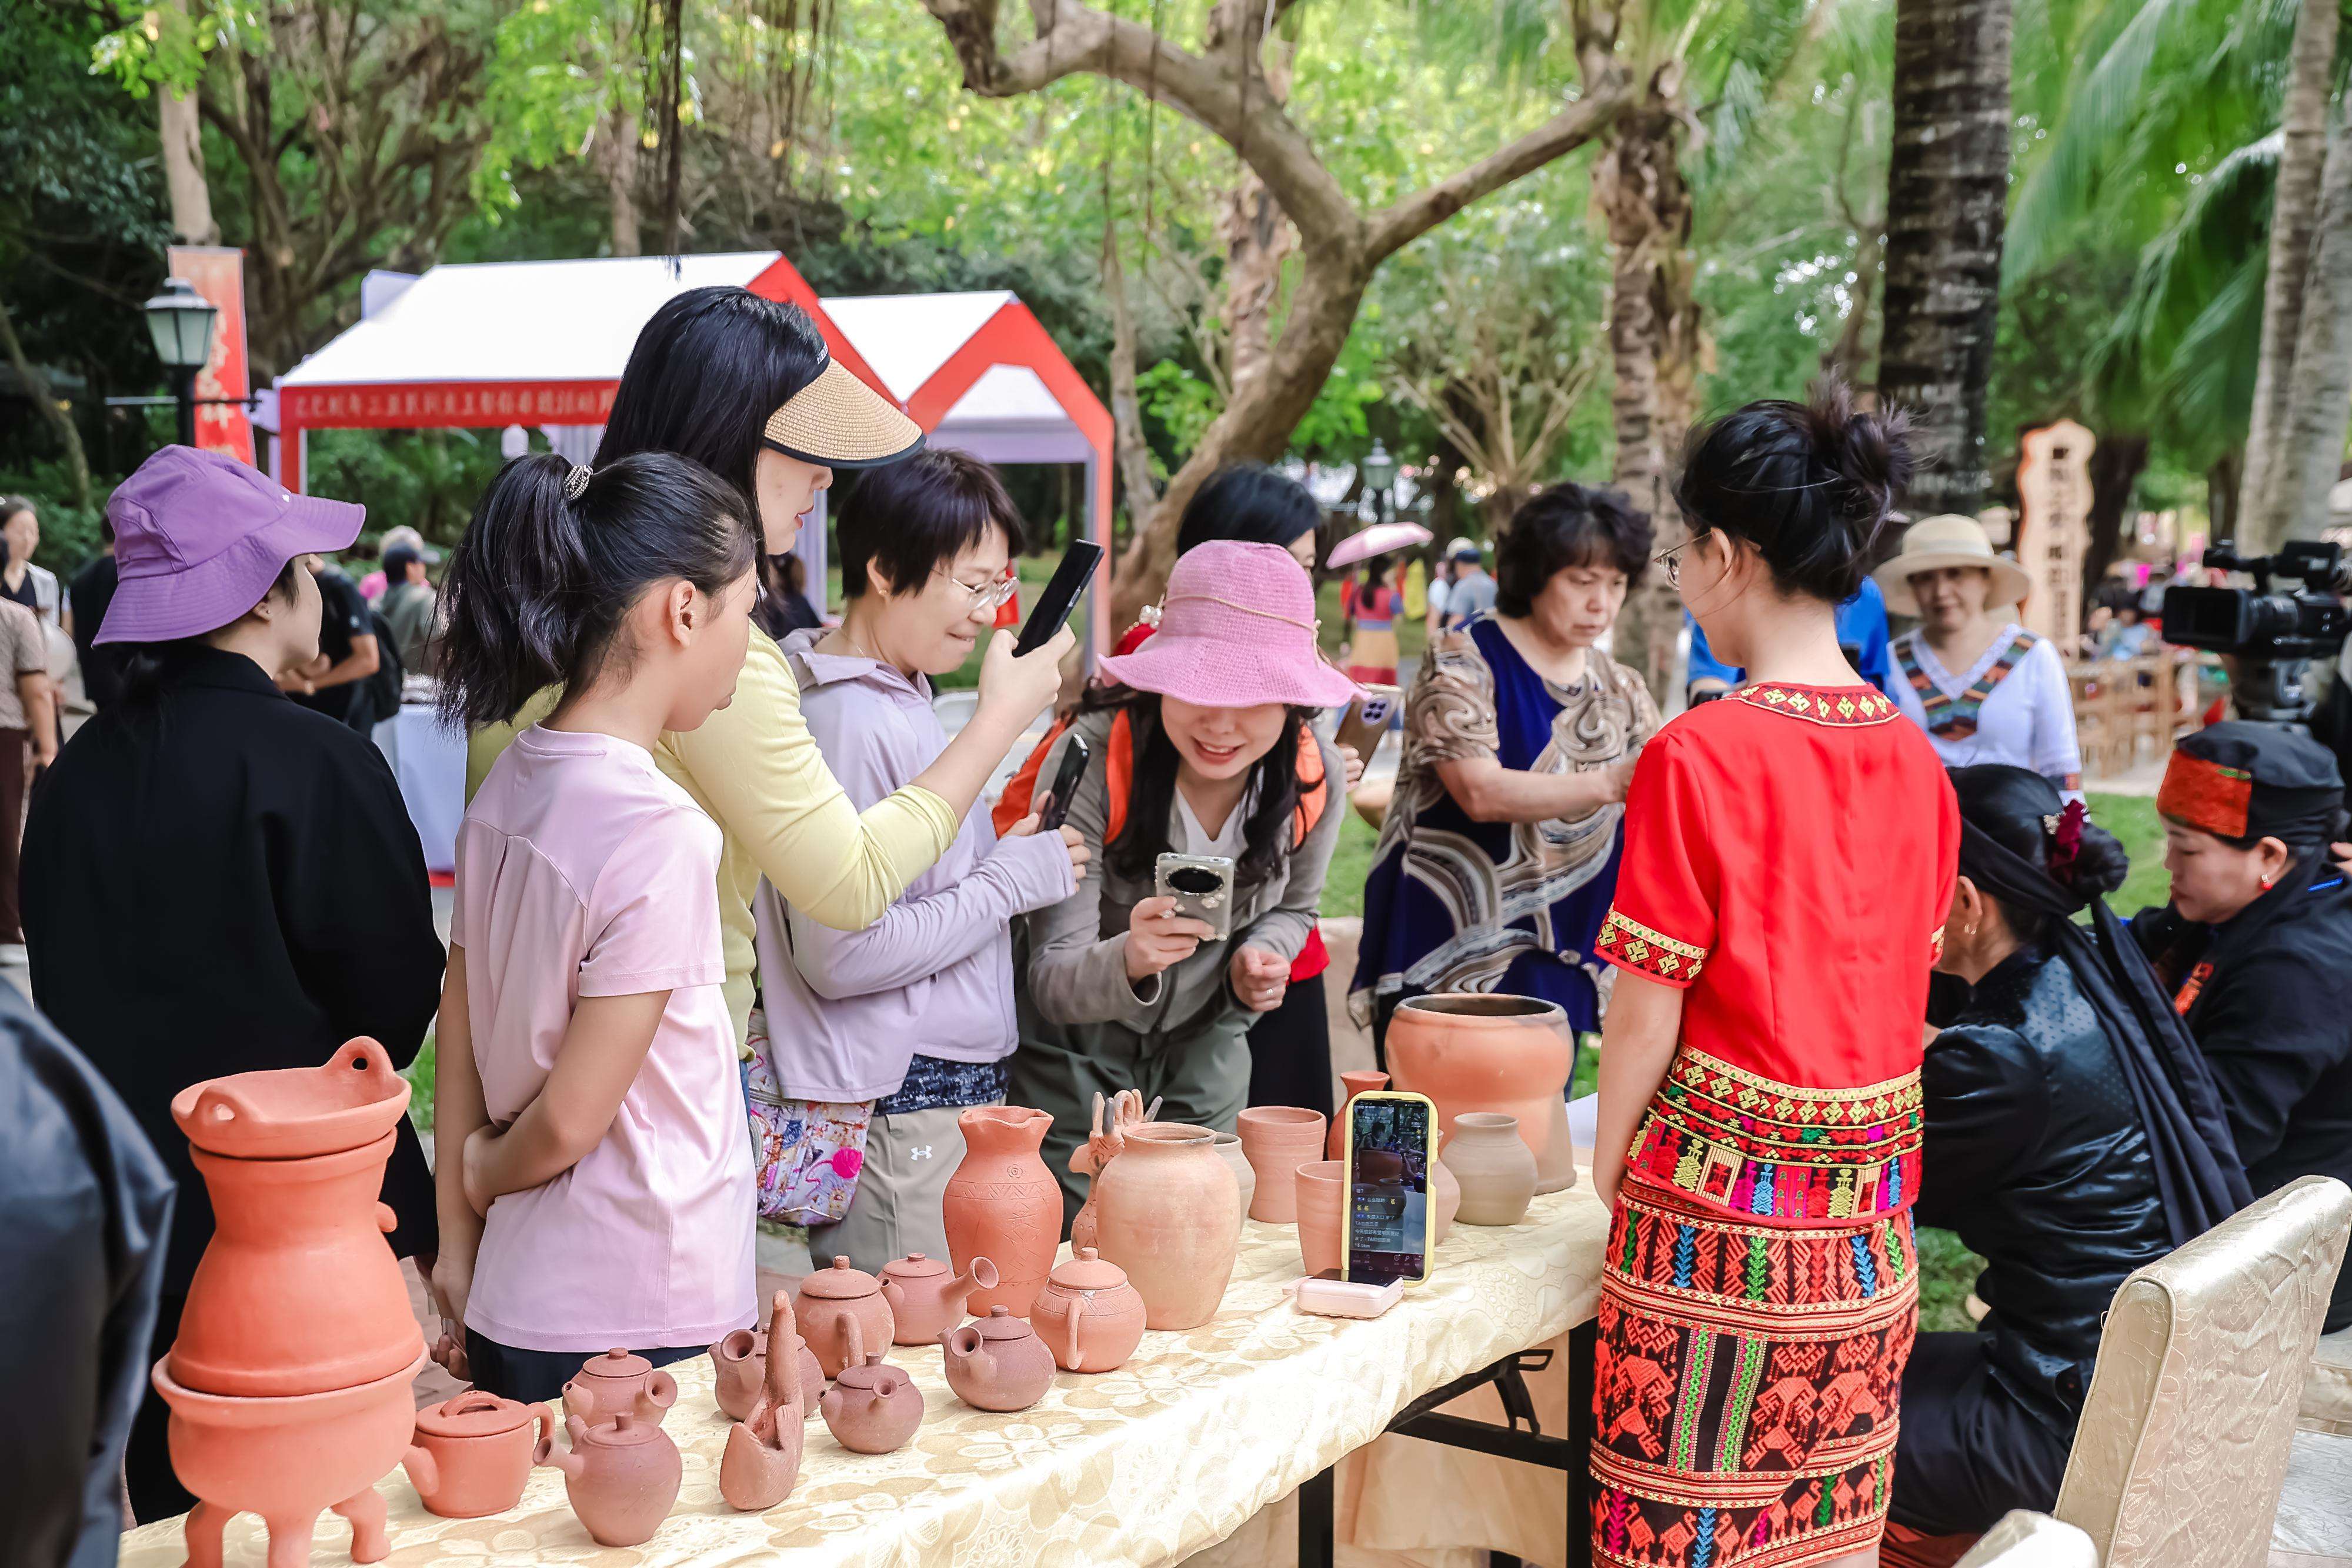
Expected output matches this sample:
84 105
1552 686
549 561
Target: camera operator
2256 942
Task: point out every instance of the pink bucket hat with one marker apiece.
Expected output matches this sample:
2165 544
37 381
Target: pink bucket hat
198 538
1237 629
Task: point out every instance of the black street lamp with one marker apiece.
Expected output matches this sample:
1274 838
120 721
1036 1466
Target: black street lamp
1379 473
180 320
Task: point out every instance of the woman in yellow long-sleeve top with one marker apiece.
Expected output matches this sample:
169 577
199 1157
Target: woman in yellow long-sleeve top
745 387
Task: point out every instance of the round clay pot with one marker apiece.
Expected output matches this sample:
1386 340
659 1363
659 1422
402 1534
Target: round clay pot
285 1459
997 1362
289 1114
842 1315
1170 1217
872 1408
472 1454
617 1383
1507 1054
1496 1170
622 1477
1444 1191
1229 1150
1004 1205
1335 1146
1322 1187
1276 1140
1088 1314
297 1291
927 1297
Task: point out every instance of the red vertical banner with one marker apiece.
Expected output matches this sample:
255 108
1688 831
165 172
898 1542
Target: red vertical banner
217 272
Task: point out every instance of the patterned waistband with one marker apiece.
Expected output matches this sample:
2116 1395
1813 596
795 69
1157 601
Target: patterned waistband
1777 1152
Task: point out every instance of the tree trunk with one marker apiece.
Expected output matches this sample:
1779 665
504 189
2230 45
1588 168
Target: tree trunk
2225 483
36 387
2309 453
1133 453
2116 464
1947 195
184 163
620 183
2295 221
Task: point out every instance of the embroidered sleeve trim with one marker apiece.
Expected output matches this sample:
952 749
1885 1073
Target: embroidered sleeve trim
1633 945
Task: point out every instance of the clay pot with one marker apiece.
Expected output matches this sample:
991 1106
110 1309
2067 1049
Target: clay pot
740 1367
1089 1315
622 1477
617 1383
843 1313
291 1114
297 1291
287 1459
1229 1150
1336 1145
1511 1055
998 1362
927 1298
1322 1190
471 1455
1276 1140
1496 1170
1444 1191
1003 1204
872 1408
1171 1218
762 1459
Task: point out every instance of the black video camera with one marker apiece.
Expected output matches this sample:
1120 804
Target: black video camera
2273 638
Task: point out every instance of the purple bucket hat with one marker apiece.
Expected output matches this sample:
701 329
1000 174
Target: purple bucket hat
1236 628
198 538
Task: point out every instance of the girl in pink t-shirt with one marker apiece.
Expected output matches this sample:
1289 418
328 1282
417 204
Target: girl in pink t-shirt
594 1188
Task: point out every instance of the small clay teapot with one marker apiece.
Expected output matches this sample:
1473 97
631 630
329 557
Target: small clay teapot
622 1477
872 1408
843 1313
926 1296
763 1453
1088 1314
997 1362
472 1454
738 1370
618 1383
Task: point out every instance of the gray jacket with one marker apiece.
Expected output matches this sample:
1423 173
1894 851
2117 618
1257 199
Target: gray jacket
1070 957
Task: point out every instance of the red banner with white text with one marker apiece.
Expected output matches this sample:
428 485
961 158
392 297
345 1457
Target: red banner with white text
217 272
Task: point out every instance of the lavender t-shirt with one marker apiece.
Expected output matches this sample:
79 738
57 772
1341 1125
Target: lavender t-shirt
582 871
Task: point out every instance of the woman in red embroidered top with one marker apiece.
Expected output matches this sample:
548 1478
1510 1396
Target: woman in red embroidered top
1788 858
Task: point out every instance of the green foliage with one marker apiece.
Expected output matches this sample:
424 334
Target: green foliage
428 479
70 534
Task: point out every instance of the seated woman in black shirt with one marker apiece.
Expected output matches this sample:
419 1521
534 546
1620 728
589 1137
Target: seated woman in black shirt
2072 1136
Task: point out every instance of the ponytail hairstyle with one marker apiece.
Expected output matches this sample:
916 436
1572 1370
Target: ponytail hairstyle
556 557
2024 813
1809 484
1143 837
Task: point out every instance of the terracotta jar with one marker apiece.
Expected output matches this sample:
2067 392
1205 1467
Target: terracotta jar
843 1316
998 1362
1089 1315
1322 1189
1336 1144
927 1297
622 1477
617 1383
1003 1204
287 1458
289 1113
1444 1191
1169 1217
872 1408
297 1291
1276 1140
1507 1054
1229 1150
762 1459
471 1455
1495 1169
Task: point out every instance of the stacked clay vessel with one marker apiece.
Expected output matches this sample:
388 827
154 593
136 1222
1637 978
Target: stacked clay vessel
1509 1055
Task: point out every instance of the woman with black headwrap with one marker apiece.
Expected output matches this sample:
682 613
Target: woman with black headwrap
2072 1134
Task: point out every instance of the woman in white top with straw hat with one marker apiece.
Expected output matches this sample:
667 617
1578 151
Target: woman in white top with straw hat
1984 688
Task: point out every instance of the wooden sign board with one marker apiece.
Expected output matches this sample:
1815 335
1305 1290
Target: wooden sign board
2053 484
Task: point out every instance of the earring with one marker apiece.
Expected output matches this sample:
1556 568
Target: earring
2269 882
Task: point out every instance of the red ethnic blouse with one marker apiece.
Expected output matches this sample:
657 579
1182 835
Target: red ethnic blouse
1789 853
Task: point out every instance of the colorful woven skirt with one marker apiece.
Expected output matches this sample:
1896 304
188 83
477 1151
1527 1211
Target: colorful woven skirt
1745 1383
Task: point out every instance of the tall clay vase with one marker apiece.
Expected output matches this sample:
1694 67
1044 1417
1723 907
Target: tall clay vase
1496 1170
762 1459
1170 1217
1322 1186
1365 1082
1510 1055
1276 1140
1229 1150
1004 1205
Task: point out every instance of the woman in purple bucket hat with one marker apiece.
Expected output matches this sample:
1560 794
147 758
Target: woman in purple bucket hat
1199 746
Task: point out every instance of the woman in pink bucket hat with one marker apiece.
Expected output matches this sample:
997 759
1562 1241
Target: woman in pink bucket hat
1199 744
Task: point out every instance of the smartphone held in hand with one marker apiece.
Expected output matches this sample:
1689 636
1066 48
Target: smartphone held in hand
1366 722
1202 887
1054 805
1061 595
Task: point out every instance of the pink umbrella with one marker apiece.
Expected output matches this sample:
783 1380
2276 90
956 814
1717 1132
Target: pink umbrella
1381 539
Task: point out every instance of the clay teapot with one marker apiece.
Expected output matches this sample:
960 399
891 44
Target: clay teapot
927 1297
290 1113
1004 1205
1089 1315
739 1366
618 1383
622 1477
1127 1112
842 1313
998 1362
872 1408
472 1454
763 1452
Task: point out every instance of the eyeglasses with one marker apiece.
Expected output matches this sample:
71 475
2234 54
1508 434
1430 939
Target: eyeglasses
988 595
1672 561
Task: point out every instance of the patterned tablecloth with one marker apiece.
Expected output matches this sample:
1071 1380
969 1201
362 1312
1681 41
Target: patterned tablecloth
1167 1455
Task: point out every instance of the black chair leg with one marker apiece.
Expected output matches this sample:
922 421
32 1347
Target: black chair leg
1314 1521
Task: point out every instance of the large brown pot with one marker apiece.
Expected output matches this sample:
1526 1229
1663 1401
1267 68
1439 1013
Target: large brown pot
290 1113
1511 1055
1003 1204
1322 1188
1276 1140
1170 1217
1496 1170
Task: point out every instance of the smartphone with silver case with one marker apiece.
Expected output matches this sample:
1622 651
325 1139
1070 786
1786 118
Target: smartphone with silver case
1202 887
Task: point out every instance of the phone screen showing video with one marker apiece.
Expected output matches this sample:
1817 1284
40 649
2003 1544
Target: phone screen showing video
1388 1199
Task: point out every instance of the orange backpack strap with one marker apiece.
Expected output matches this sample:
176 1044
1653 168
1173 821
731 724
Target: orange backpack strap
1312 796
1021 789
1118 775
